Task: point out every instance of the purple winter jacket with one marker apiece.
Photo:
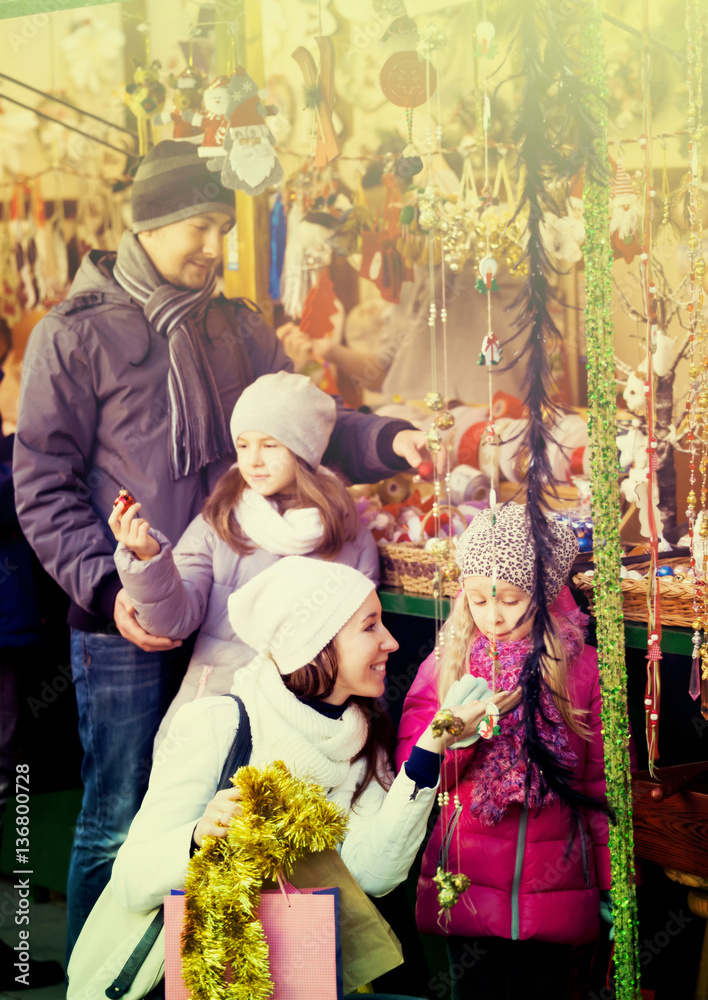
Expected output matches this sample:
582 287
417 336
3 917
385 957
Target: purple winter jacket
93 417
524 884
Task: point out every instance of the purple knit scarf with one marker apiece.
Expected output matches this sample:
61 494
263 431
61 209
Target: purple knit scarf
498 770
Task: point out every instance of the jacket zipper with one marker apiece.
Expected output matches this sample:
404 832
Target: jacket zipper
584 848
520 849
447 839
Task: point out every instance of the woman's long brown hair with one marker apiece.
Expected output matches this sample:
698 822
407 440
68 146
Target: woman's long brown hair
325 492
316 681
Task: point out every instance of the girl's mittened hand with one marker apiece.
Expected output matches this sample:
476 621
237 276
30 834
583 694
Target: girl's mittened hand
133 532
470 713
467 688
218 815
506 701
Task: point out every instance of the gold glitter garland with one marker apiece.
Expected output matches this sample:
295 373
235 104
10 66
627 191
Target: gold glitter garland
282 819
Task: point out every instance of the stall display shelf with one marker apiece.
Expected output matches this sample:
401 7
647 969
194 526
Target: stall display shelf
397 602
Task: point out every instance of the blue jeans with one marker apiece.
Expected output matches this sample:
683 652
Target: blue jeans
122 694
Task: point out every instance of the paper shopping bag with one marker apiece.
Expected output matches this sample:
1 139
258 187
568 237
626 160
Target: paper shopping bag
302 931
174 922
301 927
369 946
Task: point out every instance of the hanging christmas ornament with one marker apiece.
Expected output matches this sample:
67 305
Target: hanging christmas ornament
249 163
485 32
403 79
487 268
319 86
212 122
625 214
186 101
93 54
445 420
433 440
322 310
145 97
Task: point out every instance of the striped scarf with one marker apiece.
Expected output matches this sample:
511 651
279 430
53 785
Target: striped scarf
198 431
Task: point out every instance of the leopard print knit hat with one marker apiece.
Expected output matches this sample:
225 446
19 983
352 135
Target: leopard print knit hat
510 544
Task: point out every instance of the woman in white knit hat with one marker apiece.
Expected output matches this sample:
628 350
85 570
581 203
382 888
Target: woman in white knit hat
310 695
276 500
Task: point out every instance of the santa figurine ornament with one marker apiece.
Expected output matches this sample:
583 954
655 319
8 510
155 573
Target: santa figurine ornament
250 163
212 121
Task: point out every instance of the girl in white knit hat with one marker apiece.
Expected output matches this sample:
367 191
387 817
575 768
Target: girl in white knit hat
311 699
277 500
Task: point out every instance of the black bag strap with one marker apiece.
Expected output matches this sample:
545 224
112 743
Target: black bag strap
238 756
241 748
124 980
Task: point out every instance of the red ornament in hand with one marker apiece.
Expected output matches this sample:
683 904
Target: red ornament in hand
124 498
426 471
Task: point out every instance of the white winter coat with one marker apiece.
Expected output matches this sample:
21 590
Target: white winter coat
385 828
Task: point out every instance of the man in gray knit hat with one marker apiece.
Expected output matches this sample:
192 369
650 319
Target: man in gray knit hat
130 382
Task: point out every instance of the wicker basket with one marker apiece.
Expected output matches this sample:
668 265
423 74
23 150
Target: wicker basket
676 596
408 565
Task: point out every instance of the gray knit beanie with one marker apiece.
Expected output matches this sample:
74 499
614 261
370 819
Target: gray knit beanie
173 183
509 545
293 609
290 409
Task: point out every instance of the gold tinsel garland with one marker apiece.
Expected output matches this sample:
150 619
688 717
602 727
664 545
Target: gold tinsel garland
282 819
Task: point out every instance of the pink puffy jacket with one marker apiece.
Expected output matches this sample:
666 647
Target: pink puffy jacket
525 883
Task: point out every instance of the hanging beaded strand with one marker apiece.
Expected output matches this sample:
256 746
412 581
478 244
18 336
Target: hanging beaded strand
450 884
491 353
606 512
652 694
430 40
697 372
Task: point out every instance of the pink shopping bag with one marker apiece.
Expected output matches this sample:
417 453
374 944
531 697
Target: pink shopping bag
301 927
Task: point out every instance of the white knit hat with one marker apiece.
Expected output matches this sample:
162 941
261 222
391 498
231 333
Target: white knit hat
291 410
295 607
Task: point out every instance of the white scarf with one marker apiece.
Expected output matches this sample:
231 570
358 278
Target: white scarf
292 533
283 728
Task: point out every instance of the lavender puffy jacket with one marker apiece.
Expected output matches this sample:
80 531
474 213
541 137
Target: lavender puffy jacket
524 884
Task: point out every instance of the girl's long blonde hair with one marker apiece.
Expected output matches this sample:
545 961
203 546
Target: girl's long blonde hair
340 520
457 636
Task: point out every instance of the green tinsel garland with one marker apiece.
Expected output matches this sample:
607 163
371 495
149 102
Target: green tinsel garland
282 819
606 513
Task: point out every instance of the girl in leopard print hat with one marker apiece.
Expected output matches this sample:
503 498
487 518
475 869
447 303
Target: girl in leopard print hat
526 821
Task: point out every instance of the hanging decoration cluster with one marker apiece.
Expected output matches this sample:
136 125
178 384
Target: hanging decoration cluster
606 509
697 404
652 694
282 819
